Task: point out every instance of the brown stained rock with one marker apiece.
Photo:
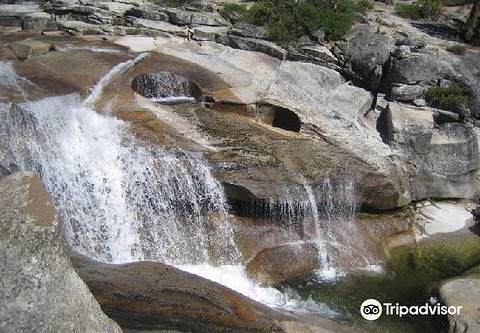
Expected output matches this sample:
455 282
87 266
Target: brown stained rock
153 296
275 265
137 116
28 48
67 72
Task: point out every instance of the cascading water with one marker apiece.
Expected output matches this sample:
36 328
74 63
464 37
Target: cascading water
121 67
122 200
338 239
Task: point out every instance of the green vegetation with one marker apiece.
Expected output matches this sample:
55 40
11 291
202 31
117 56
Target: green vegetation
457 49
422 9
452 98
133 31
288 20
229 8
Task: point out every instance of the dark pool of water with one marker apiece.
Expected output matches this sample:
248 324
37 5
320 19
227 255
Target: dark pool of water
347 294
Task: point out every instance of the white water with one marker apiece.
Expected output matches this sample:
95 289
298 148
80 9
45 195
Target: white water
120 201
235 277
69 48
164 87
172 99
115 71
336 233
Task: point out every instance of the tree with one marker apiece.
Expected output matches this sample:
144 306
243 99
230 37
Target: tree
472 31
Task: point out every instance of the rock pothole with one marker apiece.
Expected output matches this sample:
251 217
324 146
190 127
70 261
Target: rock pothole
280 117
166 87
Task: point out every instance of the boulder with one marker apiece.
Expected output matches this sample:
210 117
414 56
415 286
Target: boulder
27 48
183 17
407 93
40 291
441 161
367 53
148 12
208 33
11 15
75 27
39 21
319 52
463 291
160 26
117 8
468 74
275 265
243 29
258 45
419 68
155 296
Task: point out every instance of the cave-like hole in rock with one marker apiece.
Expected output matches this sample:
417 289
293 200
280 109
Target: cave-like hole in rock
166 87
280 117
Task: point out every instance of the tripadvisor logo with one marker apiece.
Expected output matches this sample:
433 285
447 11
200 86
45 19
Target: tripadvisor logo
371 309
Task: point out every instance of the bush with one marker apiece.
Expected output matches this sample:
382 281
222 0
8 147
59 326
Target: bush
427 9
287 20
233 8
457 49
260 13
133 31
452 98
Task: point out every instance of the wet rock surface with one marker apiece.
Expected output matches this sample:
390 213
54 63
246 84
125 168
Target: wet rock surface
154 296
275 265
40 291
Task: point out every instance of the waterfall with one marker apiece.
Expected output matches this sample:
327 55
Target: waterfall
319 238
121 200
337 236
166 87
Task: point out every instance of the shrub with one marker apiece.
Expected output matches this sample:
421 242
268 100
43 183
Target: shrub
133 31
428 9
452 98
260 13
457 49
411 11
287 20
234 8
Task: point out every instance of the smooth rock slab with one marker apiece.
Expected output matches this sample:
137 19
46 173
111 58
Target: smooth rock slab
155 296
39 290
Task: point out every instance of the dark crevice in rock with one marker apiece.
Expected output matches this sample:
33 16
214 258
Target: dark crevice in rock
280 117
382 127
383 85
